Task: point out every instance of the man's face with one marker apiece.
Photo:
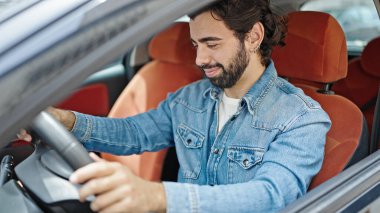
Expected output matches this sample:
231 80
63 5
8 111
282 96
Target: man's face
220 54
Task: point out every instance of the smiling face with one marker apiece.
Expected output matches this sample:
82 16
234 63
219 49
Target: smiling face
220 54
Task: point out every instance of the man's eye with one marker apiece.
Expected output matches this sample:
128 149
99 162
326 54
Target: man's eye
195 46
212 46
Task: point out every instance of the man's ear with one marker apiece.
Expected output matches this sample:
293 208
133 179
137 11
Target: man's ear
255 36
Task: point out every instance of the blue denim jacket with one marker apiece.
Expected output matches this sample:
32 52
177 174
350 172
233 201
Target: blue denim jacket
264 157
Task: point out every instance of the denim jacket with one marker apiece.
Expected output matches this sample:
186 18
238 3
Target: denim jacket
263 158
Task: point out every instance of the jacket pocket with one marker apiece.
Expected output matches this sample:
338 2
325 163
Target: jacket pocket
189 151
243 163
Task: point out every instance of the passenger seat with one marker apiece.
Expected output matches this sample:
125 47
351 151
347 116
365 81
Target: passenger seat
316 54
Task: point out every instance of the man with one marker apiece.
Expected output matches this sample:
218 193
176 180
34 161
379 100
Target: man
246 140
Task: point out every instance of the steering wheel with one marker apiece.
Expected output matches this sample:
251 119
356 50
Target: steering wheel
48 188
56 136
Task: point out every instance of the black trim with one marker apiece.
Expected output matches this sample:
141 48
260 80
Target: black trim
375 136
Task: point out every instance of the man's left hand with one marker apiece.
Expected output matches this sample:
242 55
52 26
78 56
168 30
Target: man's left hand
117 189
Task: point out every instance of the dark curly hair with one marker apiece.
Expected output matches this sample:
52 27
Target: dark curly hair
241 15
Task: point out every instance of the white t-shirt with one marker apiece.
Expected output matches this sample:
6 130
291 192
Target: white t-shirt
227 107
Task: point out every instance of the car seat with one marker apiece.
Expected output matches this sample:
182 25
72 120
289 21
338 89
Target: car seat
316 54
363 80
84 99
172 67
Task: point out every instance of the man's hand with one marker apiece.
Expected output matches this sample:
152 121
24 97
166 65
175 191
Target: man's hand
23 135
117 189
67 118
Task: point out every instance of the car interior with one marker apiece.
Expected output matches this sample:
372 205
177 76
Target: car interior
315 58
318 64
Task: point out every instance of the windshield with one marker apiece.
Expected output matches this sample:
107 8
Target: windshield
358 18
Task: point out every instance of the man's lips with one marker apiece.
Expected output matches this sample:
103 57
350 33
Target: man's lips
212 72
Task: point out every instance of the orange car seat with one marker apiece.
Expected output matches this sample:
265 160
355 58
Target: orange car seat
363 80
316 54
172 67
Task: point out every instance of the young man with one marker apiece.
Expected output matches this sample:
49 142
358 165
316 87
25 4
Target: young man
246 140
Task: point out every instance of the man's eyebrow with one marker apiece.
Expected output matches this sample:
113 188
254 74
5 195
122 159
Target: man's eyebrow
206 39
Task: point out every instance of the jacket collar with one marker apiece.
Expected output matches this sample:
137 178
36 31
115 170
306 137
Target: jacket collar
255 94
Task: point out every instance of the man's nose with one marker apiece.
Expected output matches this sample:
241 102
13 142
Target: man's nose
202 57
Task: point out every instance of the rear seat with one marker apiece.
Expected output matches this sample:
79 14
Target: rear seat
363 80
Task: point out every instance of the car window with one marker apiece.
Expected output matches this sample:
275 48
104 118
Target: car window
358 19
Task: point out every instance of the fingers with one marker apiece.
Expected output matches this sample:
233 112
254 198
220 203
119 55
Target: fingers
93 170
23 135
109 198
100 177
117 189
100 186
95 157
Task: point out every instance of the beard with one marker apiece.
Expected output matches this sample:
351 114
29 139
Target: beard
235 69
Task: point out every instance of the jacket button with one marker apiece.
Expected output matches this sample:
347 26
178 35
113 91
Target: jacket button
245 162
216 151
188 141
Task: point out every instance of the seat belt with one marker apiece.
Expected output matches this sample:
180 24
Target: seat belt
375 135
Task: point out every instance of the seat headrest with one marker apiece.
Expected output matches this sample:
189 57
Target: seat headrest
315 48
173 45
369 59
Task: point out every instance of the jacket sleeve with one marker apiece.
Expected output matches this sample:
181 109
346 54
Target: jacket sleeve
150 131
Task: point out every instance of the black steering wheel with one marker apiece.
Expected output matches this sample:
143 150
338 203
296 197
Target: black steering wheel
54 134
